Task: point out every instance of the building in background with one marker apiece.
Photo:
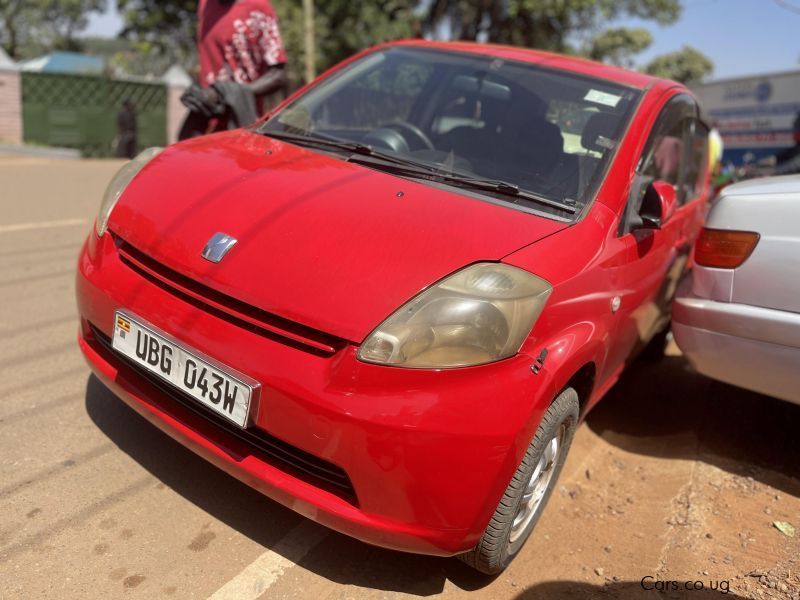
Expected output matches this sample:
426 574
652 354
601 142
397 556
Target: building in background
755 115
65 62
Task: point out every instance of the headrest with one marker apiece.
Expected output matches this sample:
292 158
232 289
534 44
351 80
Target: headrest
545 134
538 142
600 131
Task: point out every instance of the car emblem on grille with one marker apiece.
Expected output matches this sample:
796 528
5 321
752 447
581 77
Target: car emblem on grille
218 246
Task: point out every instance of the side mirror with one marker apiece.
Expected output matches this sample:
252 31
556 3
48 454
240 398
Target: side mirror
658 206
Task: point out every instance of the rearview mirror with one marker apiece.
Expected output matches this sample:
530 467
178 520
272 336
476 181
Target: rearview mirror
487 89
658 206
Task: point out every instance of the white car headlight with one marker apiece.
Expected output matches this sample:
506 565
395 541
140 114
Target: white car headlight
118 184
478 315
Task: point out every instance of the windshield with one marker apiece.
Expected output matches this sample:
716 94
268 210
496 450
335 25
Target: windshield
534 131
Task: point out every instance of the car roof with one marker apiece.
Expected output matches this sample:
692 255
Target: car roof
557 61
784 184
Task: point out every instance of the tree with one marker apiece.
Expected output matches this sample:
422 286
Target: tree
686 65
28 27
348 27
12 25
571 27
552 24
618 46
65 19
164 30
168 27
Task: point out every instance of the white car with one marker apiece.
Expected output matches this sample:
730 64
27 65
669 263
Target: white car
737 318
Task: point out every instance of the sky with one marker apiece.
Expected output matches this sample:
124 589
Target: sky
742 37
107 24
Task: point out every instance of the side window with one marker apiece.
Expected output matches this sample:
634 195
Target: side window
672 154
665 156
697 160
665 151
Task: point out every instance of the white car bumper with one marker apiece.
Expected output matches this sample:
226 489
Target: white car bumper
747 346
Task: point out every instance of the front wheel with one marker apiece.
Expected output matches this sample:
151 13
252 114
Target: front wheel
527 494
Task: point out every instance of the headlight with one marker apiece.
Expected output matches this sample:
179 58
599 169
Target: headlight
480 314
118 184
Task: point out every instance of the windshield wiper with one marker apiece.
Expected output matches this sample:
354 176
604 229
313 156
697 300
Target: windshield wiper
325 142
362 153
507 189
464 180
350 147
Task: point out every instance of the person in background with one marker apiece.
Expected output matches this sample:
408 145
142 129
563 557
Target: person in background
242 64
715 150
127 130
667 158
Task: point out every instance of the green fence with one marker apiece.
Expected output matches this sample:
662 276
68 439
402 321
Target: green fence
77 111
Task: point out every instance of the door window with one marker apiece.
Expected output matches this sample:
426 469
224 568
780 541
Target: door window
697 160
676 153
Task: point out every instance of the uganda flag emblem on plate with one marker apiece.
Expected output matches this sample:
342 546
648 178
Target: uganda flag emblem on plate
123 325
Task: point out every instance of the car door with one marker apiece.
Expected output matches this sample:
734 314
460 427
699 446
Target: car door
656 259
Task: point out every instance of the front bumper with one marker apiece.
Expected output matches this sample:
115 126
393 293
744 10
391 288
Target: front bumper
748 346
428 453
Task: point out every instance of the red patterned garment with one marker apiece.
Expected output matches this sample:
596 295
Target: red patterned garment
237 41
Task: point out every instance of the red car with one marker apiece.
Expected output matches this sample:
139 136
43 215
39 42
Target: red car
389 304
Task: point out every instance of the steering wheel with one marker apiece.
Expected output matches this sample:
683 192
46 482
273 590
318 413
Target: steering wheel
410 130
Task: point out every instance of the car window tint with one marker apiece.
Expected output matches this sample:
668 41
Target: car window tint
672 153
379 96
697 159
546 131
675 153
572 119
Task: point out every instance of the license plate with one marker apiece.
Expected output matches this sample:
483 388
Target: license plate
213 385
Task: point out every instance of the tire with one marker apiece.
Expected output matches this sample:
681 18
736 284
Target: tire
496 548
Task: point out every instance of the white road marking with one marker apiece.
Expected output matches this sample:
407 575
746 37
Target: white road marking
41 225
6 160
258 576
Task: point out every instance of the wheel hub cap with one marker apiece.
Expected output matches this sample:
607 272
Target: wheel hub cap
537 487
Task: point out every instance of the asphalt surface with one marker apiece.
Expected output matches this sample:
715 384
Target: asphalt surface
672 478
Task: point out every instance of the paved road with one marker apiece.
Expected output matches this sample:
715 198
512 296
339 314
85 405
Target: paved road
673 476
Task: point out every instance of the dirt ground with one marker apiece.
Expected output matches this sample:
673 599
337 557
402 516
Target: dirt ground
673 478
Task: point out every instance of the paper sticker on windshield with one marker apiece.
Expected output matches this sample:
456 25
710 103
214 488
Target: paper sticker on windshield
603 98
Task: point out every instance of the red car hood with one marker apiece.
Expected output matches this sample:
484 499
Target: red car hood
329 244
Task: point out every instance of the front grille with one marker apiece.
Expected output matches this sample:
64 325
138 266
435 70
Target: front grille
232 310
297 462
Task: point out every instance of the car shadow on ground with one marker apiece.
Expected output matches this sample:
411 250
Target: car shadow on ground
622 590
667 409
652 406
338 558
